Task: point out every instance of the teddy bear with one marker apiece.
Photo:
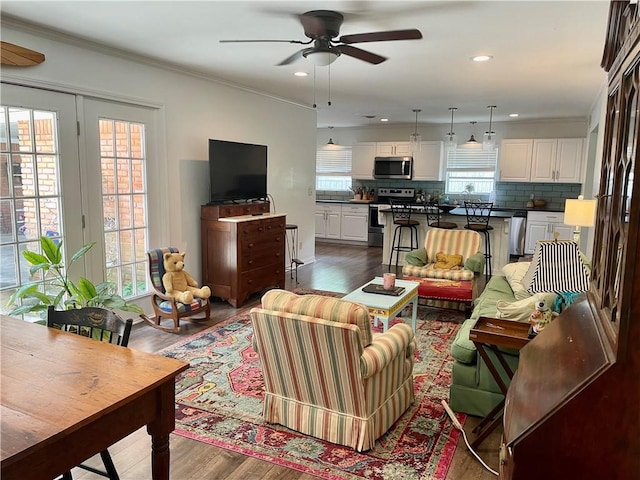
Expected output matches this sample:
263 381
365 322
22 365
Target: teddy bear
541 316
178 283
448 262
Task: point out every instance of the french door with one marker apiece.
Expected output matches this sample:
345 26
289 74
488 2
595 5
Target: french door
75 181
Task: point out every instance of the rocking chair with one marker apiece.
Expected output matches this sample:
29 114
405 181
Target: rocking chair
166 306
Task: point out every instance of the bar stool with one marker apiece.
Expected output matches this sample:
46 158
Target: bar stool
401 212
434 217
292 248
478 215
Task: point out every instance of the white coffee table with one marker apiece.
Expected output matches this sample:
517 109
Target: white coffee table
385 307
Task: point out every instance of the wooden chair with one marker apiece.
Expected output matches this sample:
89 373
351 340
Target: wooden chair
166 306
102 325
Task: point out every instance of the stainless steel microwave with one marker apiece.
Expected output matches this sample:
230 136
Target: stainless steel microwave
393 167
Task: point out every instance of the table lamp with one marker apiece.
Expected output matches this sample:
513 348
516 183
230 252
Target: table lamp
556 267
579 213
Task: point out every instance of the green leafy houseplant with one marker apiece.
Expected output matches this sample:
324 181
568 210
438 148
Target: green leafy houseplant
60 291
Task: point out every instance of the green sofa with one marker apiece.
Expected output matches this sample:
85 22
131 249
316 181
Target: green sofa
473 389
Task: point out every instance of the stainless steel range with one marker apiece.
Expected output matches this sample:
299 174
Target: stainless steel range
382 198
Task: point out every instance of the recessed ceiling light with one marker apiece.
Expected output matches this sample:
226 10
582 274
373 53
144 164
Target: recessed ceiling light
384 119
513 115
482 58
301 74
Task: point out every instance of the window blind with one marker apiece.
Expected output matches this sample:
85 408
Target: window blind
333 169
471 166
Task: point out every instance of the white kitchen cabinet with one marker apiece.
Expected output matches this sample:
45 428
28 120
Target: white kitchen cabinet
328 220
542 226
427 163
354 222
570 159
515 160
393 149
557 160
362 155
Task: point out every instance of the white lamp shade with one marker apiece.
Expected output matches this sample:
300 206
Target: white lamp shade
579 212
321 58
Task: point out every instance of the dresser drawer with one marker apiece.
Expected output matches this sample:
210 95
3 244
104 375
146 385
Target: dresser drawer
257 228
259 243
244 209
263 277
262 258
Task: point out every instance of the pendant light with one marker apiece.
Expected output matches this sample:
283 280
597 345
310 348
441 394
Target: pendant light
450 139
472 142
489 139
331 145
415 138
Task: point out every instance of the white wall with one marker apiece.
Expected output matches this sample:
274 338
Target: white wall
192 109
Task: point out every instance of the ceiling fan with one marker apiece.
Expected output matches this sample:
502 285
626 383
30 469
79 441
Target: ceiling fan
322 27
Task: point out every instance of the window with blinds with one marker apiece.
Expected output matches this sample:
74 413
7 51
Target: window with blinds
470 167
333 169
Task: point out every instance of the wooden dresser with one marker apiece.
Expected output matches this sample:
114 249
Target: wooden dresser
242 250
573 406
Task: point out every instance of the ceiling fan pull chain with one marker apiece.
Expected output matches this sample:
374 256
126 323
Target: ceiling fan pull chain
314 87
329 71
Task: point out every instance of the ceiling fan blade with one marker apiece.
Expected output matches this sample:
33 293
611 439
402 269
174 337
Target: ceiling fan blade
411 34
266 41
292 58
361 54
16 55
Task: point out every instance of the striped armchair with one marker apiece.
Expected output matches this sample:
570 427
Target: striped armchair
326 374
421 262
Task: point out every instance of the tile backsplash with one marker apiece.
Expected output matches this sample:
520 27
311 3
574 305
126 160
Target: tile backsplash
507 194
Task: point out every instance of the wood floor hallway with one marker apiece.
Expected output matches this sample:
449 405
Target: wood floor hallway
339 268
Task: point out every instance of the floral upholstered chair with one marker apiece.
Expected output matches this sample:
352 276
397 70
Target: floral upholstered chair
325 373
452 255
165 306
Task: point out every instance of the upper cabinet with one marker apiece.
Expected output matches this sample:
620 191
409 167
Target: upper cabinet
542 160
560 160
392 149
362 155
515 160
427 163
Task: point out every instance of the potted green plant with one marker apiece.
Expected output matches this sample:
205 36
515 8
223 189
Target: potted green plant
60 291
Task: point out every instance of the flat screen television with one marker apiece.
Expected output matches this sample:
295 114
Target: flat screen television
237 171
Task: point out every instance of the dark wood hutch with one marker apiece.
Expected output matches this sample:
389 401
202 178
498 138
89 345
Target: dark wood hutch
573 407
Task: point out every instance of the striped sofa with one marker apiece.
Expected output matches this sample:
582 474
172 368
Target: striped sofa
420 262
325 373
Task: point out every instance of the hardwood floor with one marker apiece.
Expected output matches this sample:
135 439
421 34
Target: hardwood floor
339 268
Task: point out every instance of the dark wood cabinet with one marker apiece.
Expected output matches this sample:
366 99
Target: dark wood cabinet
242 250
573 406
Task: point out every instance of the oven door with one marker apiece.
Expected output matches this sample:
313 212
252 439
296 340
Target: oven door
375 227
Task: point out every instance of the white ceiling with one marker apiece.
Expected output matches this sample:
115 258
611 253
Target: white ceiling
546 54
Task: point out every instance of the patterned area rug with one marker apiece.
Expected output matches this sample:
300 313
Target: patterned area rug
219 402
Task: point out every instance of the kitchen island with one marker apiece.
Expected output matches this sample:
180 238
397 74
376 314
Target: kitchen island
500 221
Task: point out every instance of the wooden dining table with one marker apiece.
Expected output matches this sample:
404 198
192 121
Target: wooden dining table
65 398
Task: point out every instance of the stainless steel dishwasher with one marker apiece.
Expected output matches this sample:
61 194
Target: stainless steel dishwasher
517 230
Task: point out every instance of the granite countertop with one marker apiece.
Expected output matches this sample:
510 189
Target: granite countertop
456 211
